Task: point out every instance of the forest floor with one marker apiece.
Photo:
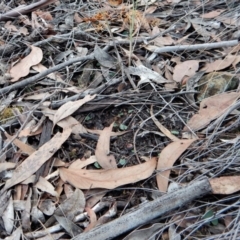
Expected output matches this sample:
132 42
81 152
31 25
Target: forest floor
108 106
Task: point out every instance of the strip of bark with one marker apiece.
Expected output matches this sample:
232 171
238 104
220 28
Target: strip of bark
148 212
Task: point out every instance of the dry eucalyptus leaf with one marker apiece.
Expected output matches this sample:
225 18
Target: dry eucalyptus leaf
210 109
27 149
71 228
69 108
8 216
80 164
144 233
106 160
37 159
104 58
22 68
72 206
219 64
46 186
187 68
147 74
167 158
110 179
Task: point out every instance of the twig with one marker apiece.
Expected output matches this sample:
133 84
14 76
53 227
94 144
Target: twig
148 211
39 76
23 9
203 46
55 228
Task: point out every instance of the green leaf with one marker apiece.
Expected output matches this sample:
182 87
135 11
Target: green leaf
210 214
175 132
96 165
122 162
87 118
123 127
214 222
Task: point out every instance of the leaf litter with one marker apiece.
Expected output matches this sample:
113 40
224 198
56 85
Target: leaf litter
111 104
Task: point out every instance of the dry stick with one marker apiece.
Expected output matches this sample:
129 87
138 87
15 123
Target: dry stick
39 76
23 9
148 212
194 47
57 104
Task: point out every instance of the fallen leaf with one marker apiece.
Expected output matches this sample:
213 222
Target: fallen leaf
162 128
225 185
68 122
212 14
7 165
104 58
70 107
70 227
46 186
110 178
93 219
25 214
219 64
210 109
187 68
22 68
144 232
72 206
167 158
146 74
80 164
106 160
37 159
21 145
115 3
8 216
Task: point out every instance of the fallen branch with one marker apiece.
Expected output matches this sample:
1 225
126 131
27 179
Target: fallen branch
23 9
39 76
148 212
203 46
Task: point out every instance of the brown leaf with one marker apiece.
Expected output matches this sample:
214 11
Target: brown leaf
106 160
70 107
210 109
37 159
46 186
164 130
22 68
219 64
187 68
212 14
111 178
93 219
225 185
68 122
23 146
80 164
115 3
167 158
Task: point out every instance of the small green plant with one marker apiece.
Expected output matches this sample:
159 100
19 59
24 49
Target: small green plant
210 214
